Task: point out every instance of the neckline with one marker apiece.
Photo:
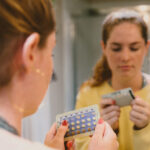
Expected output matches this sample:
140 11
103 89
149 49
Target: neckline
6 126
140 90
144 83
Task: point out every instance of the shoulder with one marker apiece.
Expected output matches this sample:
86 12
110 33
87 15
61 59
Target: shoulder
84 91
88 95
87 89
92 90
9 141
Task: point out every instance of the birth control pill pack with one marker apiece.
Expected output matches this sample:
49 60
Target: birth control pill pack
122 97
81 122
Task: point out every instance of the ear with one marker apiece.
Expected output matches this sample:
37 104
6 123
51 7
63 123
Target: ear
147 47
29 50
103 46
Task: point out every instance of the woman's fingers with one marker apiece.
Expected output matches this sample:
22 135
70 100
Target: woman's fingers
51 134
61 131
109 132
99 130
103 138
55 139
140 113
111 136
110 108
106 102
138 101
111 115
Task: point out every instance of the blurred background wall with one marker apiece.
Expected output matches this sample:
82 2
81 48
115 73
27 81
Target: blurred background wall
77 50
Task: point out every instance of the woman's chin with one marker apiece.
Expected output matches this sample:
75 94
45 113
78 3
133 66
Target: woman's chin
28 112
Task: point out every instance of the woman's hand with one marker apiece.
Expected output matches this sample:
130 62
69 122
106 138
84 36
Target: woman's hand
55 139
103 138
110 112
140 113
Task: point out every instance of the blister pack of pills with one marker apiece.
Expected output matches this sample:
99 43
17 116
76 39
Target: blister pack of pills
122 97
81 122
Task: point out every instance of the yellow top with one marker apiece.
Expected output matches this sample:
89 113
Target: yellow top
128 138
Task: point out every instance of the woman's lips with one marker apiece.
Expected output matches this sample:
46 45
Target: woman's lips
125 67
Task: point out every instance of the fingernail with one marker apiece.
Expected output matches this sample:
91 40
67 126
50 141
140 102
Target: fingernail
113 102
64 123
69 144
100 121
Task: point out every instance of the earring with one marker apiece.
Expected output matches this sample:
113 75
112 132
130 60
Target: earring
39 72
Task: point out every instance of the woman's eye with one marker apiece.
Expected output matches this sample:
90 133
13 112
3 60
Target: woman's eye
134 48
116 49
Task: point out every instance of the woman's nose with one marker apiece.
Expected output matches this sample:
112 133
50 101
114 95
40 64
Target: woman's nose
125 55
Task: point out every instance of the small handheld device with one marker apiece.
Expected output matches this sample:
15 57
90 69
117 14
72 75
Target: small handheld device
122 97
81 122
